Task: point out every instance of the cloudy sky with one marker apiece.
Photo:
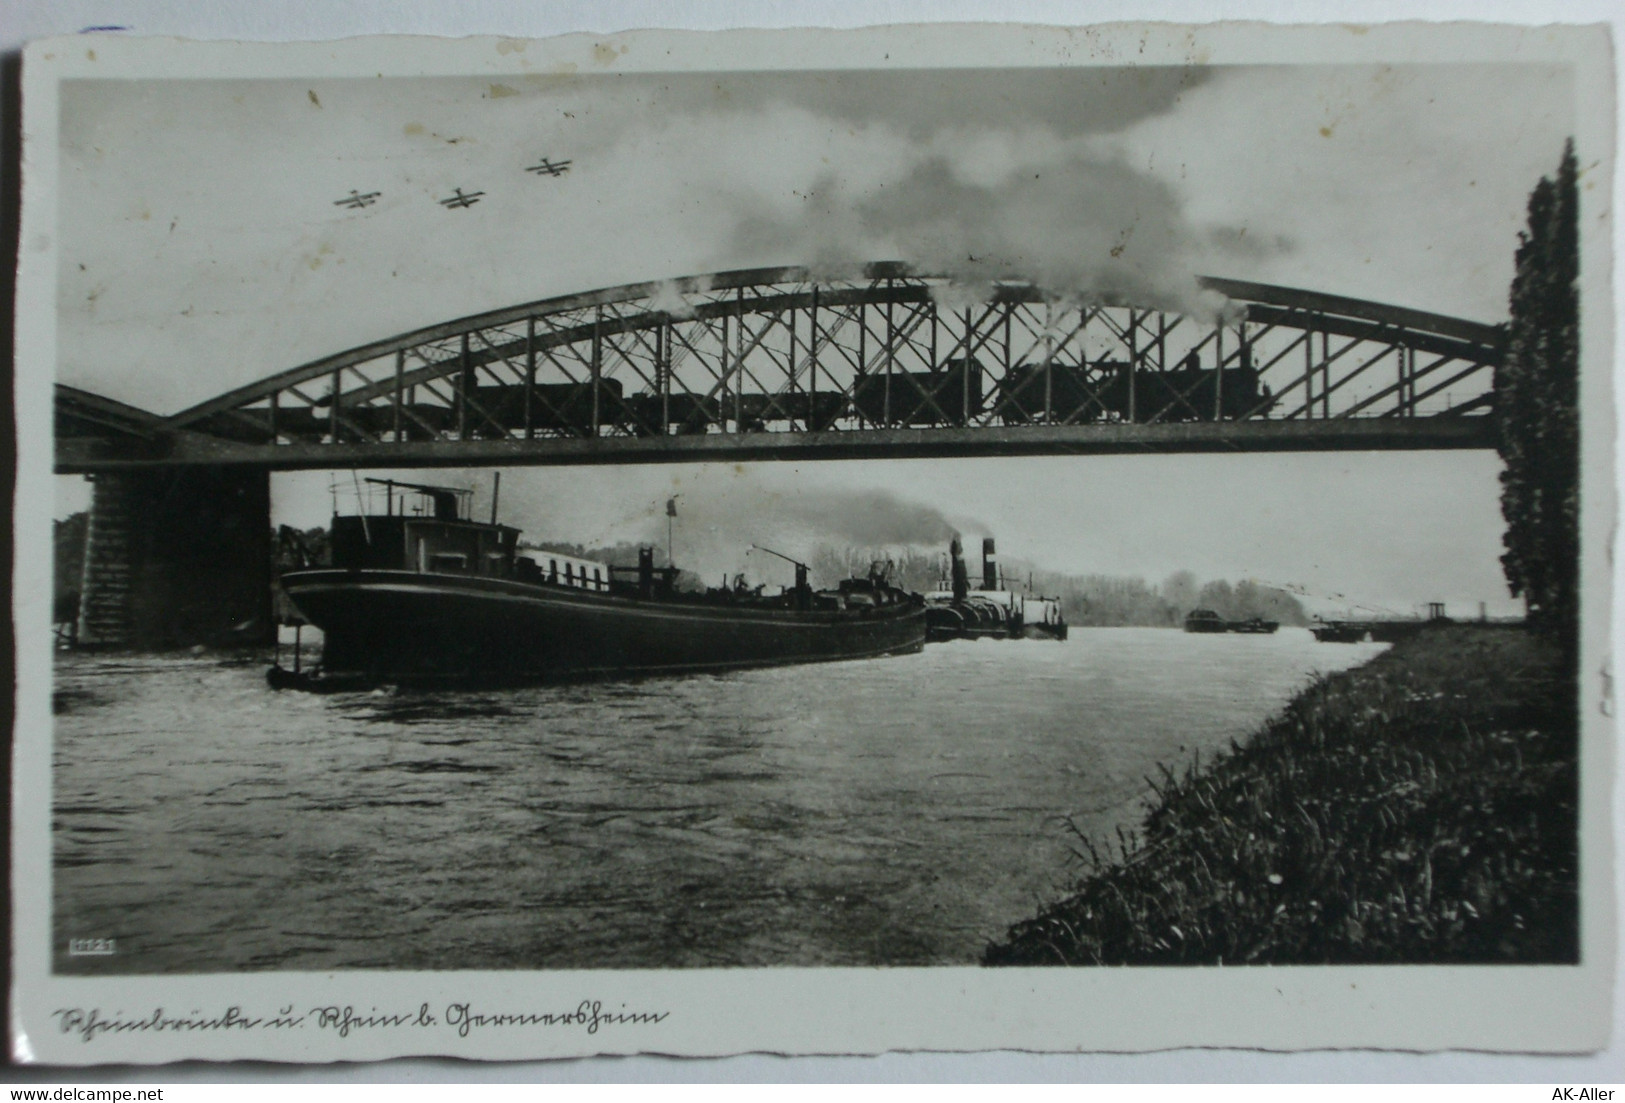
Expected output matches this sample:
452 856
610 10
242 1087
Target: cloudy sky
201 249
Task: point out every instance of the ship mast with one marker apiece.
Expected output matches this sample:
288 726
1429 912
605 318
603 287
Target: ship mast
671 512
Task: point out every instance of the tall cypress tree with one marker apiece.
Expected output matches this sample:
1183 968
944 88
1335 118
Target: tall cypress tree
1537 412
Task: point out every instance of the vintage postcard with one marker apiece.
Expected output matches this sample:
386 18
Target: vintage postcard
941 537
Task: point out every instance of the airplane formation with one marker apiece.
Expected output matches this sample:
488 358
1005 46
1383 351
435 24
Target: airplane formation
459 199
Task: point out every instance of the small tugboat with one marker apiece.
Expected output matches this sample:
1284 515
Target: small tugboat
956 612
422 593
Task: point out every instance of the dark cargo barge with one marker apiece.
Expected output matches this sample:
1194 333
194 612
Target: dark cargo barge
1208 621
1380 630
436 597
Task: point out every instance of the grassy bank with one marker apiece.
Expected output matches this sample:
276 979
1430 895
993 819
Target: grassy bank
1422 808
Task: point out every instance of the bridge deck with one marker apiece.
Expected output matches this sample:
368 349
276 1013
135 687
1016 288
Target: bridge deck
1351 434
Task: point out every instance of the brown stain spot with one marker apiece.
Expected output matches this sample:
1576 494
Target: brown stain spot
1117 250
311 92
90 55
511 45
1325 132
322 252
413 130
605 53
498 91
1356 28
559 76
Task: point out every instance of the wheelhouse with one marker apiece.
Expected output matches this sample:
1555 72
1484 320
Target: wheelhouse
429 530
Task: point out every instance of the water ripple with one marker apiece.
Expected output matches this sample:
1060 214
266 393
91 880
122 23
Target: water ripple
891 812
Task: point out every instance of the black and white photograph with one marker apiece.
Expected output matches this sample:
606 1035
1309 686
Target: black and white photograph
551 540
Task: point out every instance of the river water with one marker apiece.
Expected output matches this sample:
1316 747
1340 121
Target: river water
899 811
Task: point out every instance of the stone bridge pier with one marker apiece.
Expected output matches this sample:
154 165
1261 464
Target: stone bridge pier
176 557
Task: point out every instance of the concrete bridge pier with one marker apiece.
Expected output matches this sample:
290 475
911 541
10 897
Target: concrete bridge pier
177 557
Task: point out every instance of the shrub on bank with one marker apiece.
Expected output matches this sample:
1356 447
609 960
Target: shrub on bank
1422 808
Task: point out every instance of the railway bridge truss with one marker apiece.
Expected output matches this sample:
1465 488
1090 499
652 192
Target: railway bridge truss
780 364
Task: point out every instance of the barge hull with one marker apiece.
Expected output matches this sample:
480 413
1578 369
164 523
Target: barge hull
411 627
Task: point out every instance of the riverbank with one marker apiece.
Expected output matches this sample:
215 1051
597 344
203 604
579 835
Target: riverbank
1421 808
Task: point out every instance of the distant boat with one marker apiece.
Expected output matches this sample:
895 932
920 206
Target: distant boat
434 596
1206 620
1337 631
1378 630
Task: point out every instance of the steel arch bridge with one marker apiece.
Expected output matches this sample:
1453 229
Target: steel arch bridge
780 363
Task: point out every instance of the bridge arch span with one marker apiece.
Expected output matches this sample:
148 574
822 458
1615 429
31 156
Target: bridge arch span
884 361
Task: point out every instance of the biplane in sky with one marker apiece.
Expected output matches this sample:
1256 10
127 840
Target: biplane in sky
550 167
357 199
461 199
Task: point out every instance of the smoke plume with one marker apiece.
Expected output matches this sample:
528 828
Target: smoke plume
979 189
718 520
1073 220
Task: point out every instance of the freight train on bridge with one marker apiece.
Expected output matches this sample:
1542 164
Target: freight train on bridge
1105 391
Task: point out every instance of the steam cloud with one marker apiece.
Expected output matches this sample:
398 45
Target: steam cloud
974 176
717 523
872 519
1074 222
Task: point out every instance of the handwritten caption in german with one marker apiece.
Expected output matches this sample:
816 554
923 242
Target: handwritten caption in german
463 1019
